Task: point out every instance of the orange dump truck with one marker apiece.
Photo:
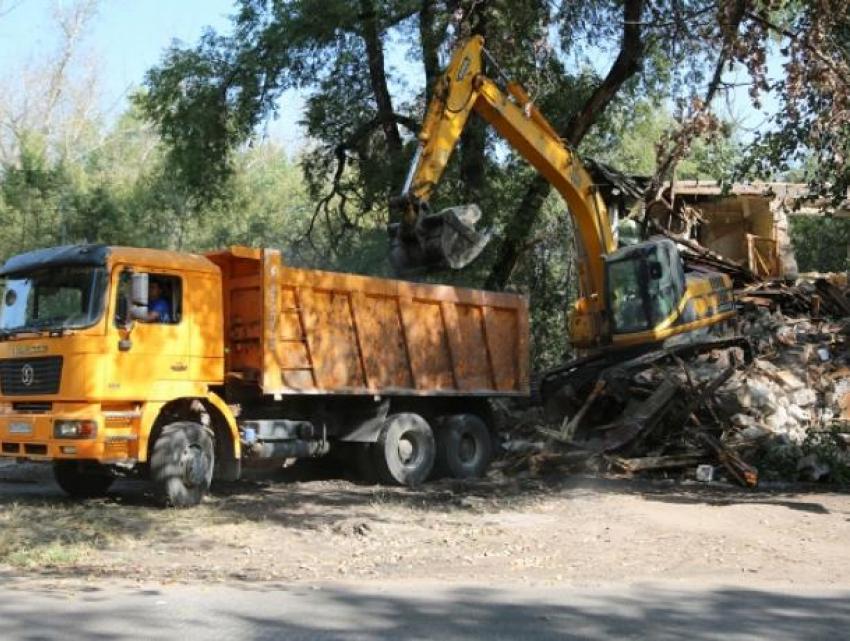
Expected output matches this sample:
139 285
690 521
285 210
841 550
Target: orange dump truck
183 368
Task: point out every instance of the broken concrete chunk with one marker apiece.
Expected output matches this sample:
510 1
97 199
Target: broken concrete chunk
797 435
798 413
765 366
754 433
705 473
744 396
804 397
744 420
777 420
761 394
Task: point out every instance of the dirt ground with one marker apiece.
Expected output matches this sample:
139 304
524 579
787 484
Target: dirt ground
298 526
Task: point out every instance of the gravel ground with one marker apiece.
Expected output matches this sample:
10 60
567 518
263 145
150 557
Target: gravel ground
301 526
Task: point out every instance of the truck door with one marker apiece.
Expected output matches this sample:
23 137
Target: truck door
156 349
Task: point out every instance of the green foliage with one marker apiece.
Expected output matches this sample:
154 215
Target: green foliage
827 448
809 130
629 136
821 243
830 448
549 276
33 197
122 192
207 100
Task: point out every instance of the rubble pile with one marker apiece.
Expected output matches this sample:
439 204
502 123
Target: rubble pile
819 297
771 404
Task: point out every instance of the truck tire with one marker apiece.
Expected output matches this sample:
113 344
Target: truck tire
464 447
182 464
79 481
405 450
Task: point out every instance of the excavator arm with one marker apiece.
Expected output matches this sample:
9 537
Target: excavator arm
630 297
464 89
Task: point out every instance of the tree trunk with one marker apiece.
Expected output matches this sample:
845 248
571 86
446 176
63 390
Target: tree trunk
474 138
378 75
627 64
430 42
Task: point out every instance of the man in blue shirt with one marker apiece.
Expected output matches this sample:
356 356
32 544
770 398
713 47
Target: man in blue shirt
159 309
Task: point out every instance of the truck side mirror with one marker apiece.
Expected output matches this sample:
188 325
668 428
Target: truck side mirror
140 289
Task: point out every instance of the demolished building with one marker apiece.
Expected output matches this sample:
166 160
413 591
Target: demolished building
749 223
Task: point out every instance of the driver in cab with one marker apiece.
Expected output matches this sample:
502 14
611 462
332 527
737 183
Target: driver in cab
159 309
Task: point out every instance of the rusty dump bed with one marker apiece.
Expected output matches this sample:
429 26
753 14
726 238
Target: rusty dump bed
301 331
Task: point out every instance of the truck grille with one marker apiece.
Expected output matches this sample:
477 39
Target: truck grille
28 376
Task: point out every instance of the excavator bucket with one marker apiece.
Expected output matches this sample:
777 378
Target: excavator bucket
447 239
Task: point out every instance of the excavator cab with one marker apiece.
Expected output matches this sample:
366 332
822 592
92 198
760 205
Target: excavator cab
644 286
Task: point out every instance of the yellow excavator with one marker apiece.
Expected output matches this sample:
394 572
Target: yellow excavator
631 298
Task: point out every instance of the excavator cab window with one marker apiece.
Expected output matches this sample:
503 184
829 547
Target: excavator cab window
643 287
627 279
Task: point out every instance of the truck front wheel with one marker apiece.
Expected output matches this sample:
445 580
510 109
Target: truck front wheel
404 453
182 463
81 481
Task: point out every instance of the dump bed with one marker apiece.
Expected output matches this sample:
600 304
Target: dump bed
301 331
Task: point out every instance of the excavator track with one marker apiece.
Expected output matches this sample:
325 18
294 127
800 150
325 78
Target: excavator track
563 390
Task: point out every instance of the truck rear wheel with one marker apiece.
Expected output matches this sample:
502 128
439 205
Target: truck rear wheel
182 464
405 450
464 447
81 481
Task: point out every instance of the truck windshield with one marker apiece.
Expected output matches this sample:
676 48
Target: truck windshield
54 298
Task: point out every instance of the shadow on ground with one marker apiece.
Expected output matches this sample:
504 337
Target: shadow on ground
272 611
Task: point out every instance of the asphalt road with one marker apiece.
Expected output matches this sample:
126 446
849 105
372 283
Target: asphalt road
43 609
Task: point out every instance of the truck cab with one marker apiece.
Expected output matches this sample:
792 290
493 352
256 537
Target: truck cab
83 383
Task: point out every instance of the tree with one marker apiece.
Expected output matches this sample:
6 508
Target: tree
811 126
54 96
820 243
208 99
69 176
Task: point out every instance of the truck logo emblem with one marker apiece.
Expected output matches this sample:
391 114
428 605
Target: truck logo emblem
27 375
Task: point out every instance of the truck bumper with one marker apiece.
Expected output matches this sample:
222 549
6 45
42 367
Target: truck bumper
31 436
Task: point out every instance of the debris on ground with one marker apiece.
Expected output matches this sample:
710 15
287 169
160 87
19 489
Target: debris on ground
773 403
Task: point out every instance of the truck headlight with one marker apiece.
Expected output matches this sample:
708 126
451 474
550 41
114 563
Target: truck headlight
74 429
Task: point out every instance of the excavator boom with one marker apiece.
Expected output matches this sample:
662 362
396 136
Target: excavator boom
629 297
462 90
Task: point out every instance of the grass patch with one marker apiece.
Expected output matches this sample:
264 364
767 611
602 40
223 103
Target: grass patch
64 534
36 535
